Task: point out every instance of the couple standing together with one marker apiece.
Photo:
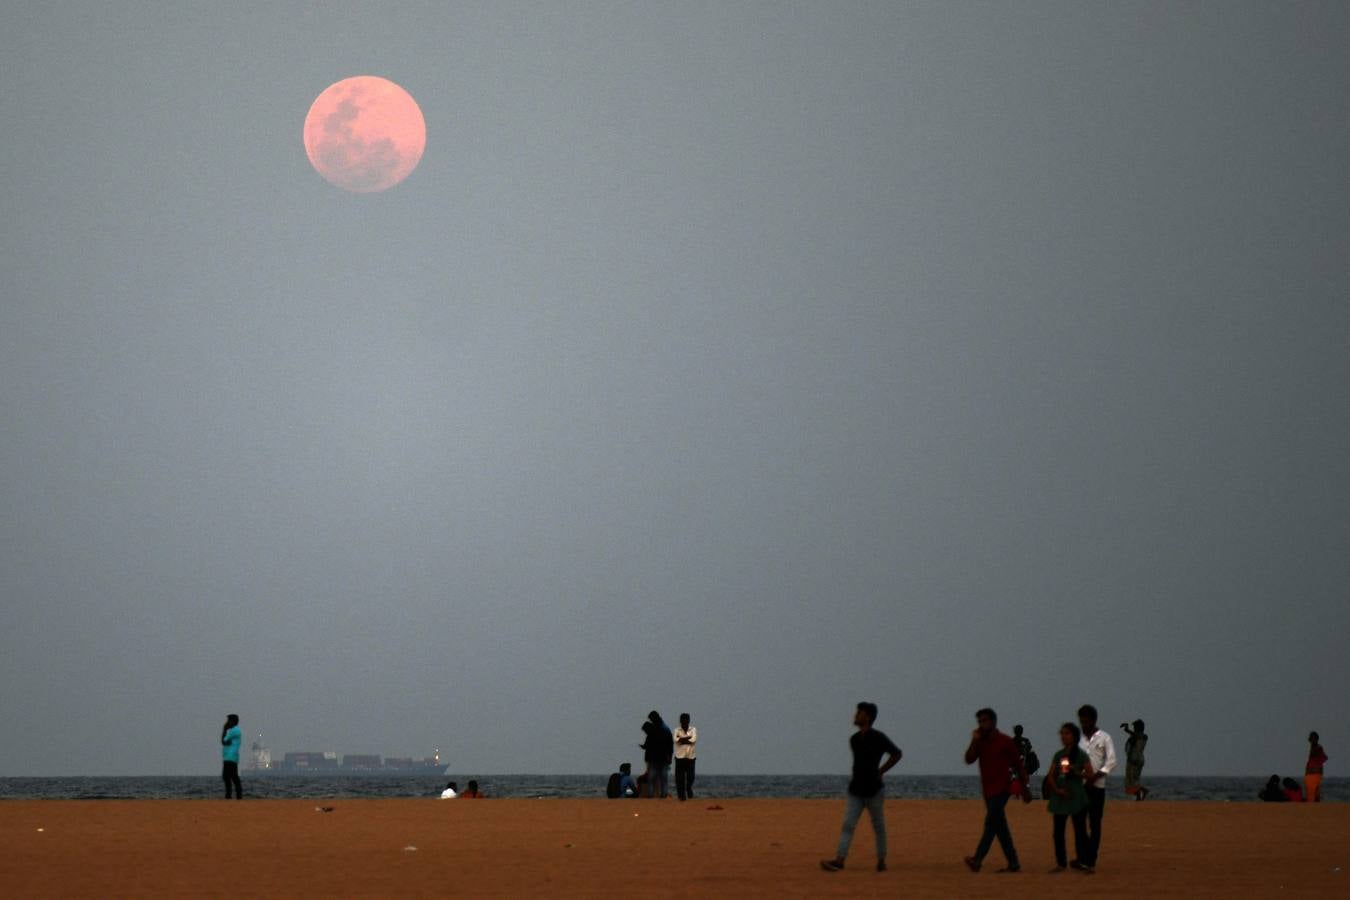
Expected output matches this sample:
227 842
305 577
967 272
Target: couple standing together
1087 756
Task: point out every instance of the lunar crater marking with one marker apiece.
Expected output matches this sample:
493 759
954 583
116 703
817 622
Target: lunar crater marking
364 134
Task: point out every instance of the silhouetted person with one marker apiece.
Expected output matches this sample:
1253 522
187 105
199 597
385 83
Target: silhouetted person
669 739
1031 763
1101 751
451 791
471 792
1134 759
621 783
999 765
1292 792
1312 777
1067 780
1273 792
657 751
866 790
686 737
231 739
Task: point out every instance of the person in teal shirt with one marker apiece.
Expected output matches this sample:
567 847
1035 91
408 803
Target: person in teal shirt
231 739
1066 789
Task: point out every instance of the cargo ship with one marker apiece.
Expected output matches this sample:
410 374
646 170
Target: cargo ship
320 763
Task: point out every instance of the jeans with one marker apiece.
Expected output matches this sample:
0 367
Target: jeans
853 812
1080 837
657 784
684 778
229 773
996 826
1096 806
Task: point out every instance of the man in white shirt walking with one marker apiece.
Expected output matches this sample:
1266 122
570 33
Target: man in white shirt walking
686 736
1101 753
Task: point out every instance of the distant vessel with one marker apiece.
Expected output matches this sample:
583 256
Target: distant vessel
313 763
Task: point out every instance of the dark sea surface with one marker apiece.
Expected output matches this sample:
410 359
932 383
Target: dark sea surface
940 787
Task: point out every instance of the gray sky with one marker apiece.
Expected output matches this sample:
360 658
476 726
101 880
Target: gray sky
747 359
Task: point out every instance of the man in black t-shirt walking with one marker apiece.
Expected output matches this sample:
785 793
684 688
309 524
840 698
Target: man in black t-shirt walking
866 790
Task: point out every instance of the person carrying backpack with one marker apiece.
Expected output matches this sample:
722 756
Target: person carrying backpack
1031 763
621 784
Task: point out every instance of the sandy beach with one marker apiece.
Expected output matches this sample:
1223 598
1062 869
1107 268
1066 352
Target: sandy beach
758 848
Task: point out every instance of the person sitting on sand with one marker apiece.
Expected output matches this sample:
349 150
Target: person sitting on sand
1134 759
1067 779
1312 778
471 792
1272 792
621 784
451 791
1292 792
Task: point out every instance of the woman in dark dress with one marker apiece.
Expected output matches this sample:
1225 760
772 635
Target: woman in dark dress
1070 771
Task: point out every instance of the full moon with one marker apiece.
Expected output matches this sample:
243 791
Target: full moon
365 134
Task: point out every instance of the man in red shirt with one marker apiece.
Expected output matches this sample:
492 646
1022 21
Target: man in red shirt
998 759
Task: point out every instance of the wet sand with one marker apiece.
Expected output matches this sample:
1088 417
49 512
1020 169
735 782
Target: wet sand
622 848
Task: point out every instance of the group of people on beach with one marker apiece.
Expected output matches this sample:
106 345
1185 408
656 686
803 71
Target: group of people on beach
1286 790
660 747
1074 786
471 792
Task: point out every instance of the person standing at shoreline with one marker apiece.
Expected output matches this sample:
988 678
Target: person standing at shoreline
866 790
1000 763
1069 772
1134 759
231 739
1031 763
1101 751
1312 775
686 737
657 751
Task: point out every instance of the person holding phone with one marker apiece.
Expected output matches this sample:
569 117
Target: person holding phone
1134 758
1000 764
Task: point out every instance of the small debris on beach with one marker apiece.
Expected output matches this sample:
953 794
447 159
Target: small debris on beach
324 808
410 849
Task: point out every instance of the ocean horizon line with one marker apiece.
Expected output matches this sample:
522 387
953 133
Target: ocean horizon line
591 785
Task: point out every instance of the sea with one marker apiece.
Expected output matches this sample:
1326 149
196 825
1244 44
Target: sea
547 787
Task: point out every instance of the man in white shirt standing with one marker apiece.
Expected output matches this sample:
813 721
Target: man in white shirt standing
1101 753
686 736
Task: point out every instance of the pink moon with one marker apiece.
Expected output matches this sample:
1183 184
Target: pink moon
365 134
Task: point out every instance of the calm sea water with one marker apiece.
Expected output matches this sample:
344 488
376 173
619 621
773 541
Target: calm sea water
709 787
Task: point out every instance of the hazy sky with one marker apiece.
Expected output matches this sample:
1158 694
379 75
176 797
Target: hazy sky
744 359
